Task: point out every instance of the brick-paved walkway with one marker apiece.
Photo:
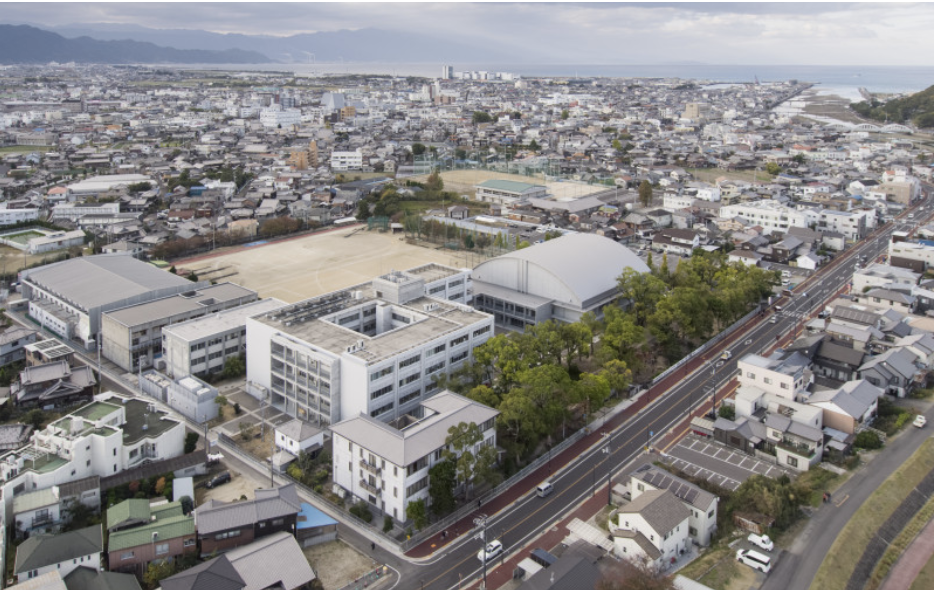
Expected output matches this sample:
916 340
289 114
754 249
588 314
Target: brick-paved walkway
910 564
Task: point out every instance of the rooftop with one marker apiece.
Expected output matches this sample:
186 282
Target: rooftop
221 321
182 303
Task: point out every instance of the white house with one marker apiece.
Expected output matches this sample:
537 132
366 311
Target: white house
387 464
653 528
788 378
702 505
297 436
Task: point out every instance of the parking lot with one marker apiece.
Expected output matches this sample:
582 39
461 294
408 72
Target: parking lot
720 465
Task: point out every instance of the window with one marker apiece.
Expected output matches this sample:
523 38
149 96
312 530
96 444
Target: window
410 361
278 522
784 386
793 461
162 548
188 543
380 373
481 331
751 375
459 340
127 555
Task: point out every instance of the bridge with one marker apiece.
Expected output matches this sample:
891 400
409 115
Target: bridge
872 128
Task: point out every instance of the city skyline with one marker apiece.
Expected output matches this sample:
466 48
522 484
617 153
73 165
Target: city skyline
593 33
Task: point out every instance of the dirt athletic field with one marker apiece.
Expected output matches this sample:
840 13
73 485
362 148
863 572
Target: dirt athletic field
300 268
463 181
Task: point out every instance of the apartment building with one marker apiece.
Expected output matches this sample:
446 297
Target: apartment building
387 464
787 378
374 348
132 336
343 161
771 215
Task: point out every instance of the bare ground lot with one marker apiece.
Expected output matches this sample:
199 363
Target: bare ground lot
337 563
293 270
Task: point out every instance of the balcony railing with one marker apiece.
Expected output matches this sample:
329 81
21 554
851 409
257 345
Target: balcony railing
370 467
798 449
41 520
370 488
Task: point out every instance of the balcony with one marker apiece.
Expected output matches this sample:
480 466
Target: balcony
370 467
41 520
800 449
372 489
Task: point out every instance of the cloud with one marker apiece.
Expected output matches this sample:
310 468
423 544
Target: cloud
568 32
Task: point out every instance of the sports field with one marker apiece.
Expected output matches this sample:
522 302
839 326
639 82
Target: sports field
463 182
300 268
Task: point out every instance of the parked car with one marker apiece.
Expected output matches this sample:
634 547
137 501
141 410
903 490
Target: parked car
761 541
490 552
217 480
755 560
920 421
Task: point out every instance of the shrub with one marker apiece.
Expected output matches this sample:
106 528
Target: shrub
867 439
362 511
191 442
237 409
727 412
387 523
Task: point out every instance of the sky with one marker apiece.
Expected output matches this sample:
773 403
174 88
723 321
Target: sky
845 33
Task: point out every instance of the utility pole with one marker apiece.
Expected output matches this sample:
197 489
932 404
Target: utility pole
480 521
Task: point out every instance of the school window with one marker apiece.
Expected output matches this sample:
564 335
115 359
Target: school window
162 548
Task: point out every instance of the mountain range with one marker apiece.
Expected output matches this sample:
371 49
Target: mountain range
364 45
25 44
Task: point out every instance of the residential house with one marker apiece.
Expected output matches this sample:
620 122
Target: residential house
13 342
681 242
53 384
894 370
702 505
139 535
225 525
41 554
653 528
297 436
848 407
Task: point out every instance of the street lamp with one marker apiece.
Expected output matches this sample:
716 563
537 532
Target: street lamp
480 521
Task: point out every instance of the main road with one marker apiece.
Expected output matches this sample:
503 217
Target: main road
521 516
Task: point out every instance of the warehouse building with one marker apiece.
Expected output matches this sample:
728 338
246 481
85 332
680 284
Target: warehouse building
70 296
560 279
373 348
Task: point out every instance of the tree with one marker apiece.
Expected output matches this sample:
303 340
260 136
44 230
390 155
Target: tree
191 442
187 505
441 482
773 168
726 412
157 571
434 183
565 114
246 431
627 574
481 117
34 417
234 367
417 513
363 211
645 193
460 445
221 400
533 145
418 149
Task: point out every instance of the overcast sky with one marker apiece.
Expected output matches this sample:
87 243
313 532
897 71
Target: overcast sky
597 33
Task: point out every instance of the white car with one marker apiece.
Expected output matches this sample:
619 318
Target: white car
761 541
920 421
490 552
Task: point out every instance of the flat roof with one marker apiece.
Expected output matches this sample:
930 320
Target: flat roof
435 318
221 321
141 423
433 272
81 281
181 303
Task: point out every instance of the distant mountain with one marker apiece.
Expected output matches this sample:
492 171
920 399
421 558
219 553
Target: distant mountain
364 45
26 44
917 108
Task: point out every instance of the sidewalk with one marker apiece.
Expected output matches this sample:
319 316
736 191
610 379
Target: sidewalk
912 561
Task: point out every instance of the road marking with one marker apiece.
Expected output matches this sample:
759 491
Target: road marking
840 503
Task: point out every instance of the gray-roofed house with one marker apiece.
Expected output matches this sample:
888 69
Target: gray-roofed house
13 341
847 407
88 578
63 552
14 436
702 505
225 525
387 464
297 436
894 370
796 445
559 279
275 561
653 527
53 384
216 574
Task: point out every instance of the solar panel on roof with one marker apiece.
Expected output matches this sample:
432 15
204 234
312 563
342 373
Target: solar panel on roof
666 481
691 496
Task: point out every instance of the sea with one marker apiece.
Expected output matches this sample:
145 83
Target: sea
842 80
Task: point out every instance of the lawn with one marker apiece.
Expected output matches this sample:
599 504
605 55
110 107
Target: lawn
925 579
840 561
25 149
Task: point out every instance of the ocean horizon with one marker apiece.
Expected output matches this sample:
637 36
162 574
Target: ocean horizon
879 79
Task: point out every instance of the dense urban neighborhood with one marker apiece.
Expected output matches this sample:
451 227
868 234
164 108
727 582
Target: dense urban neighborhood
267 330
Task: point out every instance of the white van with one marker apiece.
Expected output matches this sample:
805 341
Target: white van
544 489
755 560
